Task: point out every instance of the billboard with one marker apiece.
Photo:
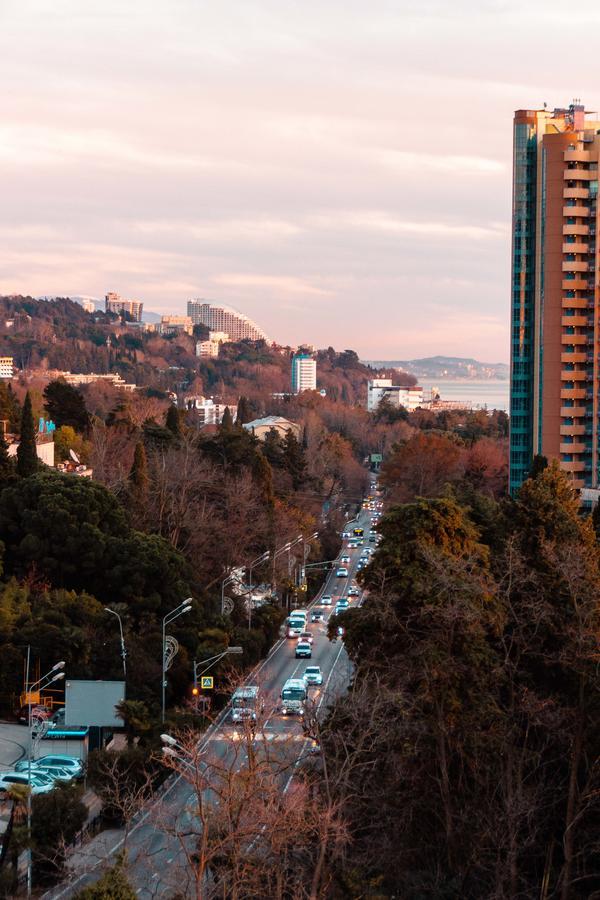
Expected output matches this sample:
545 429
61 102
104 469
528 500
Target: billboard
93 703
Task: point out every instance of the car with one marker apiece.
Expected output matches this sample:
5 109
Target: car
343 602
303 650
326 600
373 538
345 560
342 572
345 535
306 636
316 616
360 542
53 761
313 675
354 592
41 783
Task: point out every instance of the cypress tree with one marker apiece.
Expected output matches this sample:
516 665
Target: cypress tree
138 476
227 420
27 458
243 411
173 422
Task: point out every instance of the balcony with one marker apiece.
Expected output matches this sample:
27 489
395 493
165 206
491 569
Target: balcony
576 229
572 393
573 412
576 339
578 193
575 466
575 265
577 155
572 448
573 357
575 430
579 175
574 321
578 211
573 376
575 248
575 284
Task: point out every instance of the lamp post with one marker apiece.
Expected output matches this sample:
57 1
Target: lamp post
255 562
212 661
55 674
123 650
184 607
227 580
275 554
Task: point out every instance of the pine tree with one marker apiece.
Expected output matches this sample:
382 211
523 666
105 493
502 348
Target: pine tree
539 463
294 459
27 459
173 422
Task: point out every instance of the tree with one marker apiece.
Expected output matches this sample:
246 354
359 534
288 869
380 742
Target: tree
421 467
113 885
6 466
10 410
66 406
138 476
538 464
136 718
293 459
227 420
173 421
27 458
56 818
243 411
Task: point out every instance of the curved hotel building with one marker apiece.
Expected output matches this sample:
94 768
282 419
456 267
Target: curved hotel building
218 317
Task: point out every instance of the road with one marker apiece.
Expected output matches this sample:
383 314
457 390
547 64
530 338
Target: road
157 863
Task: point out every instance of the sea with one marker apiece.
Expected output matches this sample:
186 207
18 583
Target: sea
480 394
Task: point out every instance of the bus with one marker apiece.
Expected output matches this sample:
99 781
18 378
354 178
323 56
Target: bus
358 532
245 703
293 697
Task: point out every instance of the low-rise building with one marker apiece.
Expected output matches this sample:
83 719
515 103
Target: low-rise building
410 397
208 412
44 446
212 345
261 427
6 367
175 325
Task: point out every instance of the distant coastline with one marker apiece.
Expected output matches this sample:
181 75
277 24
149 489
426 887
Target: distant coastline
446 368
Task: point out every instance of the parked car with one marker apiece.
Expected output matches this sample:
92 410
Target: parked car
313 675
41 783
53 761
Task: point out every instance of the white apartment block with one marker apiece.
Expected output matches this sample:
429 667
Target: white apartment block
408 397
116 304
6 367
209 412
211 346
304 373
224 318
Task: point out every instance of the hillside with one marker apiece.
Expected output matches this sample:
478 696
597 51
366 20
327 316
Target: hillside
450 367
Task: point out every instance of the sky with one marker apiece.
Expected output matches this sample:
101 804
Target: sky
337 170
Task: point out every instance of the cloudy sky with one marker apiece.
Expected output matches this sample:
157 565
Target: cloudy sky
340 171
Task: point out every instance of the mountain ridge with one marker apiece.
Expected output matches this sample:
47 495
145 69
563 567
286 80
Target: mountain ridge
446 367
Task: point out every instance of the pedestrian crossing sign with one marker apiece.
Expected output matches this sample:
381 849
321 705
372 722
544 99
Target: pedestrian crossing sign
207 682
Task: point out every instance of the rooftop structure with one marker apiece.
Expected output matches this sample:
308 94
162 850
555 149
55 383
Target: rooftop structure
261 427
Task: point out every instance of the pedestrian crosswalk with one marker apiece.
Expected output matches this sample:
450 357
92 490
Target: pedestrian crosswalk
271 736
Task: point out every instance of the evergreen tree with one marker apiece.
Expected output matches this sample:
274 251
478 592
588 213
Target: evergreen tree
271 448
10 410
243 411
294 459
138 476
27 459
6 467
173 421
112 886
66 406
227 420
539 463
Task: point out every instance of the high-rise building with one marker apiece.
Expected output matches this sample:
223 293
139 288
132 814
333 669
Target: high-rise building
116 304
224 318
555 303
304 373
6 366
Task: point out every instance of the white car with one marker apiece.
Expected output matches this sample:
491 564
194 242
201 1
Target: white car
53 761
41 783
326 600
313 675
306 636
345 560
342 572
353 592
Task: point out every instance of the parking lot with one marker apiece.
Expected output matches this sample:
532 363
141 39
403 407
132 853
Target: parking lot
13 746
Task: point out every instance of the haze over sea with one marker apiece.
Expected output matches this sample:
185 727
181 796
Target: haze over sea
493 394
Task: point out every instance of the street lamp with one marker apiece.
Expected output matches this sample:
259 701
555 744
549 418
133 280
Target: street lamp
227 580
55 674
213 660
255 562
123 650
184 607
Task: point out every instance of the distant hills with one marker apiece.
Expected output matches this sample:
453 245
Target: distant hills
446 367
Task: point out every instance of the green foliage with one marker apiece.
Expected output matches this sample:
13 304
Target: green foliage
136 718
538 465
56 818
66 406
27 459
243 411
10 410
65 439
173 421
113 885
138 477
227 420
294 459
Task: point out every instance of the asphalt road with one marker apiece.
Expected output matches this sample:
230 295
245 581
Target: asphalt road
157 859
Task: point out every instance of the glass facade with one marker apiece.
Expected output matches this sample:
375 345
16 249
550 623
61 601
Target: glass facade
523 303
